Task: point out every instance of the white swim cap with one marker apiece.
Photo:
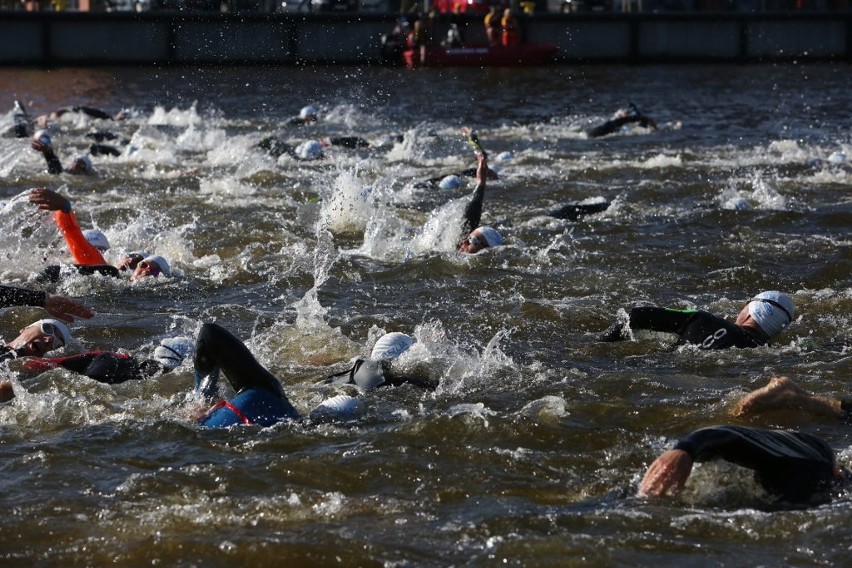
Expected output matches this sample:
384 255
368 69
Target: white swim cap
60 332
391 345
450 182
161 262
309 111
97 239
772 311
342 406
310 150
837 157
492 237
173 350
42 136
82 164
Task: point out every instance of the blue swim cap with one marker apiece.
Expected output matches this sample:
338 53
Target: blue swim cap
450 182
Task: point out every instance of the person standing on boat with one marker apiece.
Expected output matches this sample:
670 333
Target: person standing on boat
511 37
492 20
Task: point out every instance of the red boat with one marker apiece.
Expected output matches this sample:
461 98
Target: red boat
481 55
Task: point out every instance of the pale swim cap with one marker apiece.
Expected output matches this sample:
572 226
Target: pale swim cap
97 239
42 136
59 331
337 406
308 112
450 182
161 262
772 311
171 351
391 345
310 150
492 237
82 164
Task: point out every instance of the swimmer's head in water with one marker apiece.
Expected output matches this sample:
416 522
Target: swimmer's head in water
310 150
82 165
772 311
42 136
478 239
40 337
450 182
172 351
391 345
308 113
97 239
151 266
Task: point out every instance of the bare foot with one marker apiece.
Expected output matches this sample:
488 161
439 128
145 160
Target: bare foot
779 394
6 392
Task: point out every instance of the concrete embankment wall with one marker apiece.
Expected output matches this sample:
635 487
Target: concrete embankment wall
68 39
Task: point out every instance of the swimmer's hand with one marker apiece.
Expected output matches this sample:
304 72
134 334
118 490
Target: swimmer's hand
667 474
49 200
473 140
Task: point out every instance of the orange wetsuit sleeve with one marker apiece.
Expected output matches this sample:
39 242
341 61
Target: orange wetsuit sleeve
83 252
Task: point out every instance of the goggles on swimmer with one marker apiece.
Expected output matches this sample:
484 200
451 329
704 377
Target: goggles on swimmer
477 241
53 331
777 305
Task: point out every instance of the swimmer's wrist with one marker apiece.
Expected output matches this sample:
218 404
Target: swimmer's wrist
687 447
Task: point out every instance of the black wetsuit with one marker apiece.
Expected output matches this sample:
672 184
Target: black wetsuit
693 326
54 166
473 211
104 150
274 146
12 296
53 273
89 111
615 124
103 366
794 466
259 400
574 211
348 142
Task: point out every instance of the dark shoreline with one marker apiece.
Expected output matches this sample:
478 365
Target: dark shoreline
57 39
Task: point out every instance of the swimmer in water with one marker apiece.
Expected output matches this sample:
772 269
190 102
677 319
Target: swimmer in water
793 467
42 143
622 117
478 237
88 111
306 151
760 320
378 369
110 367
88 259
260 399
307 115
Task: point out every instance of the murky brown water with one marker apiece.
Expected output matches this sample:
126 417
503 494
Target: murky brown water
529 452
